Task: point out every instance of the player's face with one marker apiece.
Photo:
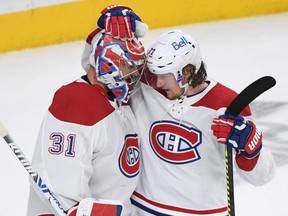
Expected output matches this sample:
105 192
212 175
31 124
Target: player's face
168 83
129 73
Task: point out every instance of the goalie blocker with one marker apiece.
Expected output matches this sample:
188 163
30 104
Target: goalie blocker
96 207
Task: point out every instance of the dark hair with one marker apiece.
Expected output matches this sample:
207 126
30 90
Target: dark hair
196 78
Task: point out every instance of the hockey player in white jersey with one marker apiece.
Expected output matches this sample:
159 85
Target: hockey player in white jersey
183 167
88 142
183 161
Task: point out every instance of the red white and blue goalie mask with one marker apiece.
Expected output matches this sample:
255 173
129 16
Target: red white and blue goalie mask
119 64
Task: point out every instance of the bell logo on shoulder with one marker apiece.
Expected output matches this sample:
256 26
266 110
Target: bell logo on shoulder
175 143
181 43
129 160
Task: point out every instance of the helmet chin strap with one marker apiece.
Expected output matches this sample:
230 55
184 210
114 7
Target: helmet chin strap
185 86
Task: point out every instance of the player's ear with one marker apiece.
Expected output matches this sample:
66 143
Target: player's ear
188 70
187 73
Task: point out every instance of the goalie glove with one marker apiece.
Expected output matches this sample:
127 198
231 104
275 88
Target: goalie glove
121 22
96 207
238 133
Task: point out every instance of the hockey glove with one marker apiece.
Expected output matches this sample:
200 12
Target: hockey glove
238 133
121 22
96 207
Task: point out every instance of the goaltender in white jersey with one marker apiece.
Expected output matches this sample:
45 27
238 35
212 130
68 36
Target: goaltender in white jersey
183 165
88 142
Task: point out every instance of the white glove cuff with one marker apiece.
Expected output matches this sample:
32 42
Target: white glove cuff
141 28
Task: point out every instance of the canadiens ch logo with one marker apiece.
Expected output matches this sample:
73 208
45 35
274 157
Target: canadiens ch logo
175 143
129 160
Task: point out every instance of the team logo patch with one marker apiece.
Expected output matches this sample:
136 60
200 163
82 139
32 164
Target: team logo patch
129 160
175 143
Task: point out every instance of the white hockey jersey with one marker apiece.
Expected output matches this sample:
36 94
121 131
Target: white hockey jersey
87 147
183 166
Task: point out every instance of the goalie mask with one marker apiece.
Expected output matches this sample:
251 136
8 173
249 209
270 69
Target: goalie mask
171 52
118 64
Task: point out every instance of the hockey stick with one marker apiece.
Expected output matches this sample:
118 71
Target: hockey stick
34 175
242 100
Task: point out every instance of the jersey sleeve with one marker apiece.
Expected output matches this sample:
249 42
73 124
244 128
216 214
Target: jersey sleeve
258 170
71 135
63 159
88 50
264 170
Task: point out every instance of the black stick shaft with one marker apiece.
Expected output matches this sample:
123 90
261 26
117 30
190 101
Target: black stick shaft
242 100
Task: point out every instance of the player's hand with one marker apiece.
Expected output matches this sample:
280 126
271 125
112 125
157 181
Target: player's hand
121 22
238 133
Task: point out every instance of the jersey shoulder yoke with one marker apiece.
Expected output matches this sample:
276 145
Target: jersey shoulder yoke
220 96
80 103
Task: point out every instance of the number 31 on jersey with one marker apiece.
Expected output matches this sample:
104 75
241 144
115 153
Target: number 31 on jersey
62 145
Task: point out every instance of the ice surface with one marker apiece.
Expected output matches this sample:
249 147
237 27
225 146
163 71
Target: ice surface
236 51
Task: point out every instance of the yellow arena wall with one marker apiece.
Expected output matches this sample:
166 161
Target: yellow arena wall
74 20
